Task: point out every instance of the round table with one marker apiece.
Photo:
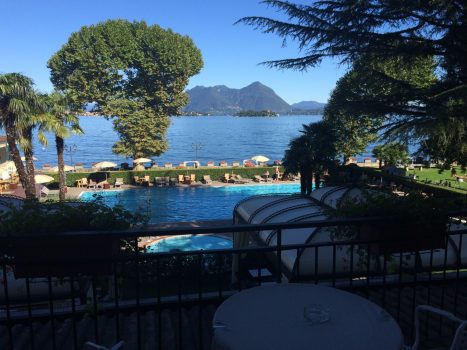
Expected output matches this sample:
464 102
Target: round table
273 317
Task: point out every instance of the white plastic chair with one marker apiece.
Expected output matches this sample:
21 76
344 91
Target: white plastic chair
459 341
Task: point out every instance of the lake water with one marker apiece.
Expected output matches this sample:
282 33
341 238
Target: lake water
221 138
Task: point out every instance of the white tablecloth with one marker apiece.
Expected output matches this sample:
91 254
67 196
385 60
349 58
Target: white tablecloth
272 317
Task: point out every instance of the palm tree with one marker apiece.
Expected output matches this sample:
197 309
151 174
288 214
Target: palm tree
18 105
63 122
311 153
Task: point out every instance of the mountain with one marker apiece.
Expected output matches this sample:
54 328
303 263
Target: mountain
308 105
221 99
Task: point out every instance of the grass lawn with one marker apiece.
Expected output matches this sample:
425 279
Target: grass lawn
434 175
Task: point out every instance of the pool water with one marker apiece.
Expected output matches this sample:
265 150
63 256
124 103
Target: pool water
188 243
170 204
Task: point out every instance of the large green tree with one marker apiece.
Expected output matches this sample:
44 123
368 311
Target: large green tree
134 72
19 107
406 31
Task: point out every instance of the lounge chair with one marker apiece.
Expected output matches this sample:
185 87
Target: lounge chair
159 181
83 182
207 179
226 177
223 163
44 192
138 180
258 178
118 182
240 180
146 180
168 165
166 180
92 184
210 164
181 179
236 164
103 184
192 178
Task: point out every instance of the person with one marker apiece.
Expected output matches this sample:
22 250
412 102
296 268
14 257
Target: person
277 174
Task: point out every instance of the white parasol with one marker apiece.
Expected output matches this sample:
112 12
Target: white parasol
260 159
43 179
142 160
104 165
65 168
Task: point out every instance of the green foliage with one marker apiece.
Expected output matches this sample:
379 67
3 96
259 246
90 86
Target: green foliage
51 218
135 73
392 153
410 58
413 206
311 153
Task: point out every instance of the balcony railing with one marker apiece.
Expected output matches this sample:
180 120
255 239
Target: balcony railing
166 300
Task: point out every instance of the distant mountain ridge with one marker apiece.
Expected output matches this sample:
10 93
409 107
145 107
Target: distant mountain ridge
223 100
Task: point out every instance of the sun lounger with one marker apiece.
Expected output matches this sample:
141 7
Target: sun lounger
146 180
181 179
226 177
118 182
240 180
168 165
138 180
192 178
207 179
44 191
223 163
159 181
236 164
92 184
83 182
258 178
210 164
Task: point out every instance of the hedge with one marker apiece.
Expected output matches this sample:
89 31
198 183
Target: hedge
127 175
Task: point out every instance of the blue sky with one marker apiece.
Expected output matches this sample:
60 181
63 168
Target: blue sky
32 30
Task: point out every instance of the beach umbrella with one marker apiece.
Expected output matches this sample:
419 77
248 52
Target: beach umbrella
142 160
65 168
104 165
43 179
24 158
260 159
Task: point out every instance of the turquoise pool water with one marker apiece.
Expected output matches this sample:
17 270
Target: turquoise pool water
189 243
168 204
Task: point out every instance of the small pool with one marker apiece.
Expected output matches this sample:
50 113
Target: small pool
169 204
187 243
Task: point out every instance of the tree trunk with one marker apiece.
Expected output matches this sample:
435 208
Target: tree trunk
28 155
317 180
380 162
309 181
28 187
302 181
60 145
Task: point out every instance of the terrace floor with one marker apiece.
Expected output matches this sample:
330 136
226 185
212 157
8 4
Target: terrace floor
189 326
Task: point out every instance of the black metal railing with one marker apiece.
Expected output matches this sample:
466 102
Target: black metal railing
167 300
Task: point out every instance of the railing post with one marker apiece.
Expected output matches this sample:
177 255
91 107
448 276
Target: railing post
279 255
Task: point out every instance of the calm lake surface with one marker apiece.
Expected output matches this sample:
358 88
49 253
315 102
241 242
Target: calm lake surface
221 138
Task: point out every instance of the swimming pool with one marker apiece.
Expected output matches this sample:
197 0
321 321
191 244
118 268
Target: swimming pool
169 204
188 243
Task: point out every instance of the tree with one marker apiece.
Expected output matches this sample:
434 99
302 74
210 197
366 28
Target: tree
406 31
134 73
64 122
311 154
391 153
18 105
